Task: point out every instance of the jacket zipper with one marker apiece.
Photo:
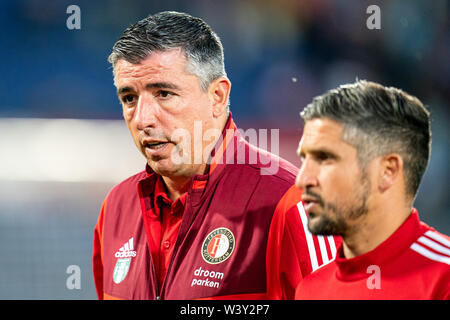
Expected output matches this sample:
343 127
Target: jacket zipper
177 242
155 291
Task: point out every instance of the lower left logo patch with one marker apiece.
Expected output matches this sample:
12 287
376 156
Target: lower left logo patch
125 253
121 269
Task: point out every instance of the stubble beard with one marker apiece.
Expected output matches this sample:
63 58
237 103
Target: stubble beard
337 219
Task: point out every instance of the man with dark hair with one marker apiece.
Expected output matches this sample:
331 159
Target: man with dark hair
364 150
202 221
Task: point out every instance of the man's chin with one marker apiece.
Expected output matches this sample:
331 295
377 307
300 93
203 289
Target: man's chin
322 225
163 167
315 226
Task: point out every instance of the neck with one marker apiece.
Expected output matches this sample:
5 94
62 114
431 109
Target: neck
178 185
373 228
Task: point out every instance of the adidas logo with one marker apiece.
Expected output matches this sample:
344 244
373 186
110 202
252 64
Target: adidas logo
126 250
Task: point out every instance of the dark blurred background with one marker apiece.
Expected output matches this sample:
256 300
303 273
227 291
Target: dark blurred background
63 144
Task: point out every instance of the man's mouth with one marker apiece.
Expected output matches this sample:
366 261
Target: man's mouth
309 203
156 145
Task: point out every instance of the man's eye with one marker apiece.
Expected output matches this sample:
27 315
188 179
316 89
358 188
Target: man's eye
325 156
322 156
164 94
128 99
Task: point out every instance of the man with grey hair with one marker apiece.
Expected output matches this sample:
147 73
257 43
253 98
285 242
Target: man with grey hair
364 150
213 226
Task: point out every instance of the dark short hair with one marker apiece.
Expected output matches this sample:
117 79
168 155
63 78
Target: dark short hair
169 30
379 120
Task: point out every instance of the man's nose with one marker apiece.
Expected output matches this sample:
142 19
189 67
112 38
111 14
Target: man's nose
146 112
307 175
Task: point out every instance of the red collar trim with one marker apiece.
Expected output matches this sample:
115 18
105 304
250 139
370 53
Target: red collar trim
219 152
392 247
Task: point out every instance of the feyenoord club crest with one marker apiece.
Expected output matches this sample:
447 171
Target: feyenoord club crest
218 246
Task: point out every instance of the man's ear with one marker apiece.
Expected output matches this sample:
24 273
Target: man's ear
391 169
219 93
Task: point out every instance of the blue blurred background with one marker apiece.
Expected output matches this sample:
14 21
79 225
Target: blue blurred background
63 144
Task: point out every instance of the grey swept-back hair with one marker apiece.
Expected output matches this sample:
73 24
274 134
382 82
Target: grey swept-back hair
170 30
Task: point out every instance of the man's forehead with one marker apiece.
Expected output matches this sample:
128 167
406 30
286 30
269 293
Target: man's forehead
156 63
321 131
323 128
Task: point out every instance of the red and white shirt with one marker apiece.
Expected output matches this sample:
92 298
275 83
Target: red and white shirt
412 264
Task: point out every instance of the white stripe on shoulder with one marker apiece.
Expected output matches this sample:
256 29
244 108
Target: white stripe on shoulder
309 237
435 236
332 246
429 254
323 249
434 245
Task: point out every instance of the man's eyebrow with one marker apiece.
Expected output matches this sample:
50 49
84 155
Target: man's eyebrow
318 151
161 85
124 90
324 152
158 85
